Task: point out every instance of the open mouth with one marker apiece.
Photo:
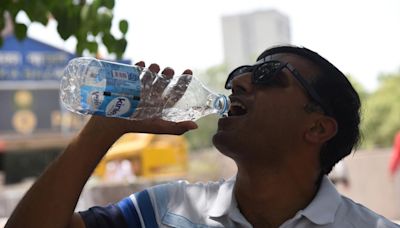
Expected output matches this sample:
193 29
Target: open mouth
237 109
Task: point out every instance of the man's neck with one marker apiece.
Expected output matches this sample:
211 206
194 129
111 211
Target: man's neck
267 198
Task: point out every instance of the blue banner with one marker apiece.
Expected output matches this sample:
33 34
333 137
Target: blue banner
30 59
33 60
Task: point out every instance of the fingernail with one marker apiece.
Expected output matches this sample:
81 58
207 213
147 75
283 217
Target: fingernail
154 67
140 64
188 71
168 71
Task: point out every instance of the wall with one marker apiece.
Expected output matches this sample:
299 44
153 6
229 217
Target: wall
371 184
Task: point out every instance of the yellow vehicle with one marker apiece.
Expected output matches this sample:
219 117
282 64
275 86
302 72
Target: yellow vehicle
149 155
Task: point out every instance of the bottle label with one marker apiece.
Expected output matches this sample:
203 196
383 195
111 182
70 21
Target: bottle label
111 89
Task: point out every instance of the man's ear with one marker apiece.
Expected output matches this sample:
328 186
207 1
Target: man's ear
322 129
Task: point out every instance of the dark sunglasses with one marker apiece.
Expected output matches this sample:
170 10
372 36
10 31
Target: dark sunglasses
264 72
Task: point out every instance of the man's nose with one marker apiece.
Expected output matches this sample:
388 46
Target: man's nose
242 83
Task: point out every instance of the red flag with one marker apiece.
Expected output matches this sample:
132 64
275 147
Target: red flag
395 157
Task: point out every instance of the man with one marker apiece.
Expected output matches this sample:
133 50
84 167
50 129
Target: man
293 116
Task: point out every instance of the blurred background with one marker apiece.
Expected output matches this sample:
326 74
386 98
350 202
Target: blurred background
39 37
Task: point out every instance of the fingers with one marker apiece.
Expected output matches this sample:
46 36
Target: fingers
154 86
163 80
188 71
150 74
159 85
177 91
140 63
157 89
154 68
147 79
168 72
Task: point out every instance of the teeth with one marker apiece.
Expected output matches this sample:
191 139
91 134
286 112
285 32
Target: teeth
235 103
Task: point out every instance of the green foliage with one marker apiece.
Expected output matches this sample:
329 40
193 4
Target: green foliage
88 21
20 31
382 113
123 26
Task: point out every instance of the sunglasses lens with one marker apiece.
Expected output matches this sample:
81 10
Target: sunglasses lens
266 71
261 74
236 72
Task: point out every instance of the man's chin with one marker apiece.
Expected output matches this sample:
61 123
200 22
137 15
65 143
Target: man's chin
223 144
218 138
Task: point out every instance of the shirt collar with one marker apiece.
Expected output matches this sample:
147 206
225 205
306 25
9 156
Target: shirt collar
321 210
224 200
323 207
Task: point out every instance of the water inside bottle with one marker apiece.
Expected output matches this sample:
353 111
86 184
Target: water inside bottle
192 113
214 105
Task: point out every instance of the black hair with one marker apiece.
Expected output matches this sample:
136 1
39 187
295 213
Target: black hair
337 93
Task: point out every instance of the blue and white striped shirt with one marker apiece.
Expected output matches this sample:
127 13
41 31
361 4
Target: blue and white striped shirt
180 204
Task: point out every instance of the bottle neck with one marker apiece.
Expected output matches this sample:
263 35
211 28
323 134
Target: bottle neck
221 103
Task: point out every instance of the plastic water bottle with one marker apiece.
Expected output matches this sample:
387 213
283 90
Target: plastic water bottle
96 87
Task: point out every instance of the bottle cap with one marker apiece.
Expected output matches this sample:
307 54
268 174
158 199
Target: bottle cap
222 104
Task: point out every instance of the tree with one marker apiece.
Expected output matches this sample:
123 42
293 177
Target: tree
88 21
382 113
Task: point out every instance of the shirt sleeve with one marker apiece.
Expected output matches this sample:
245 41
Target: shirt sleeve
132 212
110 216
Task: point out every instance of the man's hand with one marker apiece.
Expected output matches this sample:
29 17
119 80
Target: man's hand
159 91
156 94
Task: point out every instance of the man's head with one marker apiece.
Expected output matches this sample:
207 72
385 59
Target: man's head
305 90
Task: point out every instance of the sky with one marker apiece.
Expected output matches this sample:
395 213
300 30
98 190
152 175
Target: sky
362 38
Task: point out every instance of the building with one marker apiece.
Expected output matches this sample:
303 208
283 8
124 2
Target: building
33 126
245 36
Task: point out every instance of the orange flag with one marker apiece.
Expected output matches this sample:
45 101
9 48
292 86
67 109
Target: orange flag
395 157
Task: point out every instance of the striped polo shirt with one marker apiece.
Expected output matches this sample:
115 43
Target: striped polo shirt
180 204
